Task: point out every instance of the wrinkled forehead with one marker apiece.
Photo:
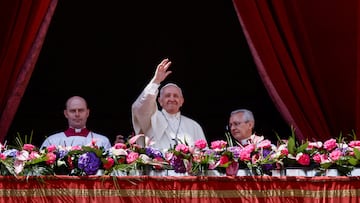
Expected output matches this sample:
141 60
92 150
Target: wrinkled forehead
171 88
76 103
237 116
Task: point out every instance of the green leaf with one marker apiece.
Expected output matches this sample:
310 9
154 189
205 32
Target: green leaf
325 165
291 145
302 147
353 161
357 153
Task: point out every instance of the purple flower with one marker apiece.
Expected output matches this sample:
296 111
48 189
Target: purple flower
10 152
62 153
267 167
210 152
178 164
89 163
235 151
153 153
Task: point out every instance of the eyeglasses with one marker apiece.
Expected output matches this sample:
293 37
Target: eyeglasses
236 124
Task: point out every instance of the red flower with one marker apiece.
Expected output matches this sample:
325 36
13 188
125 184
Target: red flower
70 162
109 163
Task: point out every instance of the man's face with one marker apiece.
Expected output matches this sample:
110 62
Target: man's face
239 127
171 99
76 112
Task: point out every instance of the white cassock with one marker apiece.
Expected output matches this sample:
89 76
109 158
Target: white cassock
60 139
159 126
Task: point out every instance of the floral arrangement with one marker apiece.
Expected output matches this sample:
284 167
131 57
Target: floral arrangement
260 156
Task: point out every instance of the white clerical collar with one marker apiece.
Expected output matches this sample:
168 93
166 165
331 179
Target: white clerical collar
247 140
78 130
171 116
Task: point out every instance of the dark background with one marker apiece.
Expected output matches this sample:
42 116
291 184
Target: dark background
107 52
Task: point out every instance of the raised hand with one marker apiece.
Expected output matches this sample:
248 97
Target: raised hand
162 71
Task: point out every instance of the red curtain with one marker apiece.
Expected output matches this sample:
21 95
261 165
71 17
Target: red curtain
179 189
23 28
307 55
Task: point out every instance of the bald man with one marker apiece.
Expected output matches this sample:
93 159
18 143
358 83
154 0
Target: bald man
76 112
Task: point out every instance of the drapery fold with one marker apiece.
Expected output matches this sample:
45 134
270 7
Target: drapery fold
179 189
306 54
24 26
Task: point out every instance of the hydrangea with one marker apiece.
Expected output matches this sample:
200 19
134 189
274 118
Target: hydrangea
89 163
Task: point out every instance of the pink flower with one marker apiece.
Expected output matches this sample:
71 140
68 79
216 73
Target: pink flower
245 156
182 148
264 144
316 145
51 158
2 156
131 157
22 155
28 147
317 158
320 158
197 158
303 159
284 152
135 138
120 146
169 156
255 158
51 148
354 143
76 148
218 144
34 155
232 169
330 144
335 155
201 144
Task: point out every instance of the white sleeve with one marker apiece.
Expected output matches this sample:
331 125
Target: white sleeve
151 88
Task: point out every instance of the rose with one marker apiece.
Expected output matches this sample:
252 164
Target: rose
218 144
28 147
330 144
303 159
51 148
182 148
354 143
200 144
335 155
131 157
120 146
51 158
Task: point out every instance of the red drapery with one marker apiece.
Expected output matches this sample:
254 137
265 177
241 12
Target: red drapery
180 189
23 28
307 55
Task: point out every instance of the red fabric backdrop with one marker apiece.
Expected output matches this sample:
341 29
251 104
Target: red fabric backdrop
179 189
307 55
23 29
